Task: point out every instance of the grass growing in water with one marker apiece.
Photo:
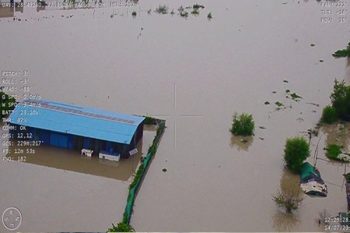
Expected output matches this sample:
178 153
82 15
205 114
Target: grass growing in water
329 115
295 152
121 227
289 203
162 9
342 52
333 151
243 125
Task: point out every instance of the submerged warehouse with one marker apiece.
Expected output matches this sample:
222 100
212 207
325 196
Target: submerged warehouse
88 130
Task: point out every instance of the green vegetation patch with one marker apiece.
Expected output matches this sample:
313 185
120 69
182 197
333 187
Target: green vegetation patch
141 172
121 227
347 177
333 151
342 52
341 100
295 96
243 125
149 120
198 6
138 176
195 12
329 115
279 104
295 152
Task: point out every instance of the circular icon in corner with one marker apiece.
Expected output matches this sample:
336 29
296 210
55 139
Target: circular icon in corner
11 218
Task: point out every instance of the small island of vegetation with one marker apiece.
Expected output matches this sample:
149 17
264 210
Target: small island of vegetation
342 52
295 153
243 125
340 108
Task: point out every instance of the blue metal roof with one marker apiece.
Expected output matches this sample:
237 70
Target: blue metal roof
76 120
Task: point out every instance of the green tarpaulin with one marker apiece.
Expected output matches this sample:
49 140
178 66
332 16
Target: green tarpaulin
307 170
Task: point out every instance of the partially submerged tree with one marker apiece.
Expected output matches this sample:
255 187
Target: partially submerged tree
341 100
289 203
295 152
329 115
243 125
342 52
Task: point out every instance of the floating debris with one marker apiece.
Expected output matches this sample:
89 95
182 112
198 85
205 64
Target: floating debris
285 81
295 97
195 12
262 127
300 119
279 104
243 140
184 14
210 16
164 170
162 9
311 181
267 103
134 13
312 45
314 104
198 6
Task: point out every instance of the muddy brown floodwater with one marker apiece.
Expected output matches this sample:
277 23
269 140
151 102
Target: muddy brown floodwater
195 73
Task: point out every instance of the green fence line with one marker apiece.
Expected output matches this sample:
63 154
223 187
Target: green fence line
142 170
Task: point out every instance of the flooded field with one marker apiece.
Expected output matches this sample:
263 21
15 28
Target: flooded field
195 73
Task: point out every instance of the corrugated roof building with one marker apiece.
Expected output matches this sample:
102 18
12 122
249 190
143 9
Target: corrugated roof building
75 127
